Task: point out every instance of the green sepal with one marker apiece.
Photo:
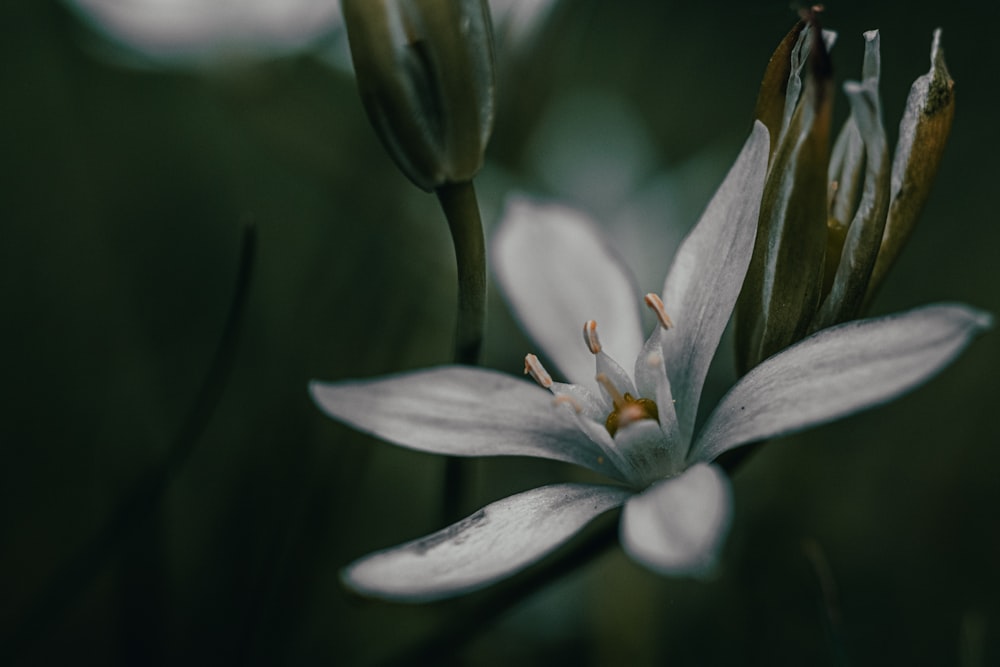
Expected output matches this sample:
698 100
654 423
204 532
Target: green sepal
856 222
923 133
783 283
770 108
855 261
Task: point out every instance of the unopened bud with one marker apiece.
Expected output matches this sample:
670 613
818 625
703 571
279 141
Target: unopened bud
425 71
923 133
830 227
784 280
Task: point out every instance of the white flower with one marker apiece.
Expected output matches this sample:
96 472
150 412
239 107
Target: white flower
190 32
557 272
196 32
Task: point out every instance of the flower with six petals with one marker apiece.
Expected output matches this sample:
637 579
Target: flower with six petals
636 428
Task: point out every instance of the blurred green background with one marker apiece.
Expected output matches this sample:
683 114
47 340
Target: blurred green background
874 540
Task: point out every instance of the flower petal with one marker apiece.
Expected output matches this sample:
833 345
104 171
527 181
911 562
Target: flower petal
679 525
557 271
460 411
495 542
838 371
707 274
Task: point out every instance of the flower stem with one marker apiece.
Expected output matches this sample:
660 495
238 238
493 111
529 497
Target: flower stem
458 200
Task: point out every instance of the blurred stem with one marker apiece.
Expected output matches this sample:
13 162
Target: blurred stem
138 504
461 208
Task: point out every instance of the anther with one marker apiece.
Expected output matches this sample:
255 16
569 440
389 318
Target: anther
534 368
590 336
655 304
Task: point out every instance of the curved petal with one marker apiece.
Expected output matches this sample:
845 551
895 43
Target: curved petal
495 542
707 274
838 371
460 411
557 271
679 525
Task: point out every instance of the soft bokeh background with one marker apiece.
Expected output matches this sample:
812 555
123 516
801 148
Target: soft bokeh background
125 187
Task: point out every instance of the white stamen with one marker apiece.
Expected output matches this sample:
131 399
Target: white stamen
655 304
616 396
565 399
534 368
590 336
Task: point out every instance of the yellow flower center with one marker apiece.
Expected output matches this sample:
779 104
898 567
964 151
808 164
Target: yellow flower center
630 410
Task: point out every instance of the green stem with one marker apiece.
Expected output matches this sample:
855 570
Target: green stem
458 200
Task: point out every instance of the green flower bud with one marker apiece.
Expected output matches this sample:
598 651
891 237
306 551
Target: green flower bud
425 71
824 244
783 284
923 133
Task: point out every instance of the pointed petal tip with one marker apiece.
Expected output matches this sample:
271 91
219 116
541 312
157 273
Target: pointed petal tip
982 319
760 132
313 387
977 320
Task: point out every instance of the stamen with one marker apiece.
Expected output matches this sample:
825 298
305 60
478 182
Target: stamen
590 336
655 304
534 368
616 396
565 399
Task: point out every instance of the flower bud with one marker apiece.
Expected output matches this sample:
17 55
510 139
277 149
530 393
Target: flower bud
425 71
783 282
923 133
823 246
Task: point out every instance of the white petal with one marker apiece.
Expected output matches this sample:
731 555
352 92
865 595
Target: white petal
838 371
557 271
707 274
652 381
679 525
460 411
495 542
190 31
643 452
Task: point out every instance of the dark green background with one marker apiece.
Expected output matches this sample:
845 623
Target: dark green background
124 193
